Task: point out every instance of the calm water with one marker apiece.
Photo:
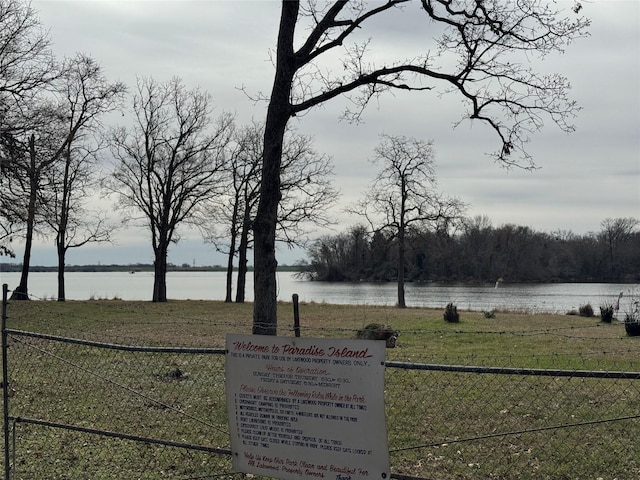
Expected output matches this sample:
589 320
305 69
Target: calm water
560 297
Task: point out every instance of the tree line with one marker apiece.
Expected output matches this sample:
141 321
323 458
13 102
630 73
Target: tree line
130 268
476 251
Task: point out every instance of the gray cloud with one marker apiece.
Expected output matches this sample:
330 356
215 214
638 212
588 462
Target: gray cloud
224 45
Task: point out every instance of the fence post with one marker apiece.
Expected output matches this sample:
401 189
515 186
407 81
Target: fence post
5 384
296 315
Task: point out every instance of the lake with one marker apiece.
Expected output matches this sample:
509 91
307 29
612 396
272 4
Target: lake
552 298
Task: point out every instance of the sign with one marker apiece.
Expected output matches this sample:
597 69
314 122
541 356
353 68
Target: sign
307 408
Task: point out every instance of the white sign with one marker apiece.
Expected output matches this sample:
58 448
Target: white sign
307 408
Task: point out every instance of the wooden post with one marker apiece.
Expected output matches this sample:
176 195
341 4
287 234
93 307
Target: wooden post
296 315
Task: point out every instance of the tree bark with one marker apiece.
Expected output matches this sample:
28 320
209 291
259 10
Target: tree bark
401 242
160 275
63 224
229 282
21 292
242 262
265 311
401 254
61 262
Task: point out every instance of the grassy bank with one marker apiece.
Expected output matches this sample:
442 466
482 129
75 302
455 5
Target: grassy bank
440 424
423 332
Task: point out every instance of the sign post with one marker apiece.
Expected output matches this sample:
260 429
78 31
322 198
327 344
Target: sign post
307 408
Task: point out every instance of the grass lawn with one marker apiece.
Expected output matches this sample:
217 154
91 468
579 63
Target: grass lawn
440 424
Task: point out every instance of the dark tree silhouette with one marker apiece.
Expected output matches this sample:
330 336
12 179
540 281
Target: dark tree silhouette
27 67
168 165
307 193
82 95
478 43
403 196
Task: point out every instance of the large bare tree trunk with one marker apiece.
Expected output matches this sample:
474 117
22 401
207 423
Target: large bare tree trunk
401 254
62 229
265 311
242 261
229 277
509 97
61 262
160 275
21 291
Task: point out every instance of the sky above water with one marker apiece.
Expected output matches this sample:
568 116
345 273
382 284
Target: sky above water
224 48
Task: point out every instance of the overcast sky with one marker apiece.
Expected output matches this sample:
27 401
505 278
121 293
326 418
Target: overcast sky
223 47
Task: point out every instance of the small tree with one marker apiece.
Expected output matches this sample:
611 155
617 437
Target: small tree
168 165
233 214
27 67
82 95
402 195
307 193
32 155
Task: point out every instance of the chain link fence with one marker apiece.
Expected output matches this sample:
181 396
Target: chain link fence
80 409
115 411
507 423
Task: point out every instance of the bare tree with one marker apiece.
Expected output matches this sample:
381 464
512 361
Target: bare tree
249 189
234 212
48 170
478 47
168 164
403 197
615 231
27 66
32 155
307 190
83 95
476 235
307 193
26 62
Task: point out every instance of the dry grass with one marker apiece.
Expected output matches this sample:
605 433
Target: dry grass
422 331
434 409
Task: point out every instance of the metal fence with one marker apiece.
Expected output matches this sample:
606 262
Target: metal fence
79 409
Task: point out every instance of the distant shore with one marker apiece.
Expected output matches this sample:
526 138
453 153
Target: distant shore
138 267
